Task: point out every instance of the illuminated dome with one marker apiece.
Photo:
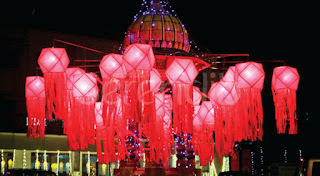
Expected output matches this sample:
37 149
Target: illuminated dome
158 27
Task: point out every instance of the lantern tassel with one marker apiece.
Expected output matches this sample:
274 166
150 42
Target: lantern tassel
285 107
55 92
183 109
36 116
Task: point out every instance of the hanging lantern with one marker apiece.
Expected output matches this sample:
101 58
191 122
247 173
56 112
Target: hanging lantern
181 74
36 102
70 72
155 80
223 96
285 82
206 114
156 134
139 61
249 78
53 63
100 135
229 76
202 138
85 91
121 129
197 95
113 73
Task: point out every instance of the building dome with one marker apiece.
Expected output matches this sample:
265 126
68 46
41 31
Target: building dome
158 28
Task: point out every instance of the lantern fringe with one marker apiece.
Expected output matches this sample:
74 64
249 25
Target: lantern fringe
110 100
82 132
183 108
36 116
250 109
55 87
203 145
225 130
285 110
140 98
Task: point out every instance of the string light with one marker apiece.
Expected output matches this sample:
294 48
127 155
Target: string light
2 162
58 161
14 158
285 156
261 160
24 159
300 155
252 163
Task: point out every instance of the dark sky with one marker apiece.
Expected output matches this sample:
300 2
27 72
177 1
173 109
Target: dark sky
264 29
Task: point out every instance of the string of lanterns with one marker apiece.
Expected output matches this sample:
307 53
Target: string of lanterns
130 96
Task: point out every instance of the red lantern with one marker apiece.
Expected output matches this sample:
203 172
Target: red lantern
155 80
206 114
229 76
85 91
100 132
181 74
156 132
139 61
53 63
113 73
159 104
139 57
249 78
35 95
70 72
111 66
223 96
202 139
197 95
285 82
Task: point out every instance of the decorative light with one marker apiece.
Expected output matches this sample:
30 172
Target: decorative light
285 82
181 74
249 79
36 106
53 63
85 91
155 80
139 61
197 95
223 96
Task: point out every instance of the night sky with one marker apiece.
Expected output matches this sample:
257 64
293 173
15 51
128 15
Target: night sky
264 29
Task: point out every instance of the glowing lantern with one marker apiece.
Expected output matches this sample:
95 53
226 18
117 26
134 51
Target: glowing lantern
223 96
70 72
249 78
155 80
197 123
229 76
139 61
168 112
53 63
202 138
206 114
113 73
36 102
99 131
285 82
197 95
111 66
139 57
181 74
159 104
156 132
85 91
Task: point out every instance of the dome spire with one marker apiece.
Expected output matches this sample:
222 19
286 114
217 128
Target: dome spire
155 6
156 24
